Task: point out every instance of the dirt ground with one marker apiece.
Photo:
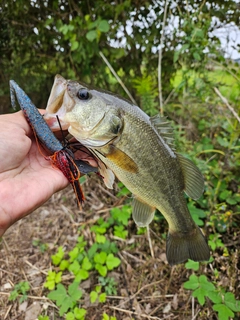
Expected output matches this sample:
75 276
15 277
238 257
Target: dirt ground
148 288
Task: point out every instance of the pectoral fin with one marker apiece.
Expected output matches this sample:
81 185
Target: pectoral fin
142 213
121 159
107 174
193 179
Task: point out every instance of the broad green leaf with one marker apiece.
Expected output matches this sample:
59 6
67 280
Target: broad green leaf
205 284
64 264
93 24
120 231
215 296
196 213
66 304
102 297
79 313
225 194
57 258
103 26
93 296
112 262
82 275
224 313
98 289
100 238
98 229
50 284
200 294
74 45
70 316
122 215
74 291
74 267
231 201
73 254
231 302
105 317
125 215
194 265
109 247
58 277
100 257
58 295
52 279
101 269
91 35
64 29
86 264
192 283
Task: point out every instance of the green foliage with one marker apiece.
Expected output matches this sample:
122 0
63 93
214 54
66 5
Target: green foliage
52 279
109 285
43 318
194 265
97 295
214 241
83 261
146 87
81 31
66 299
77 314
20 288
206 130
57 258
42 246
107 317
223 302
197 214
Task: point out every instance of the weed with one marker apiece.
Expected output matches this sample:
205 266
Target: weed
223 302
20 288
83 261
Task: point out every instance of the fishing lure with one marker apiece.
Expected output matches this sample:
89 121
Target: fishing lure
61 156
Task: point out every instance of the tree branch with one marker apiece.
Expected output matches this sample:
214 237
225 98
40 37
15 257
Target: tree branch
224 100
160 59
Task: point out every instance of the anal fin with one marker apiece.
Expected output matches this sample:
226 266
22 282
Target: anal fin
142 213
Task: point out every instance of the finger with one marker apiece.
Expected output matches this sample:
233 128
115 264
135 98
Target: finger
18 119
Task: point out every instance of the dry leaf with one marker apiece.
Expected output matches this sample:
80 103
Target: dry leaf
33 311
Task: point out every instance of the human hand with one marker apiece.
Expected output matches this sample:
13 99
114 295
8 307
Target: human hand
27 180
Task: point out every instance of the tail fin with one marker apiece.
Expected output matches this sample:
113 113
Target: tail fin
181 247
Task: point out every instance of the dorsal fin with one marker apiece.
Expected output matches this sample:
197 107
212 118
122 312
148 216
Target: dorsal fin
163 127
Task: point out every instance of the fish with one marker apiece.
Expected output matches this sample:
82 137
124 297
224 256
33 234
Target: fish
139 151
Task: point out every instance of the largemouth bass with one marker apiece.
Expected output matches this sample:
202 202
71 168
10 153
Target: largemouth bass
137 149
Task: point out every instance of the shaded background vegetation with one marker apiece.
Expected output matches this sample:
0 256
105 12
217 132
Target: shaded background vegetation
42 38
39 39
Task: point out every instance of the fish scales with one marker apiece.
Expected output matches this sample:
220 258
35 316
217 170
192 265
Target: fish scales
155 180
136 148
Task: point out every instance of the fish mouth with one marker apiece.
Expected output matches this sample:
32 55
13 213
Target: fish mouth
58 104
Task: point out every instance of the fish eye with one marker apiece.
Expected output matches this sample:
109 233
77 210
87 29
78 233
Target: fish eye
83 94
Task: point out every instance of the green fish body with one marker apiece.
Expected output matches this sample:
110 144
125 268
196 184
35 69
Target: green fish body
137 149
